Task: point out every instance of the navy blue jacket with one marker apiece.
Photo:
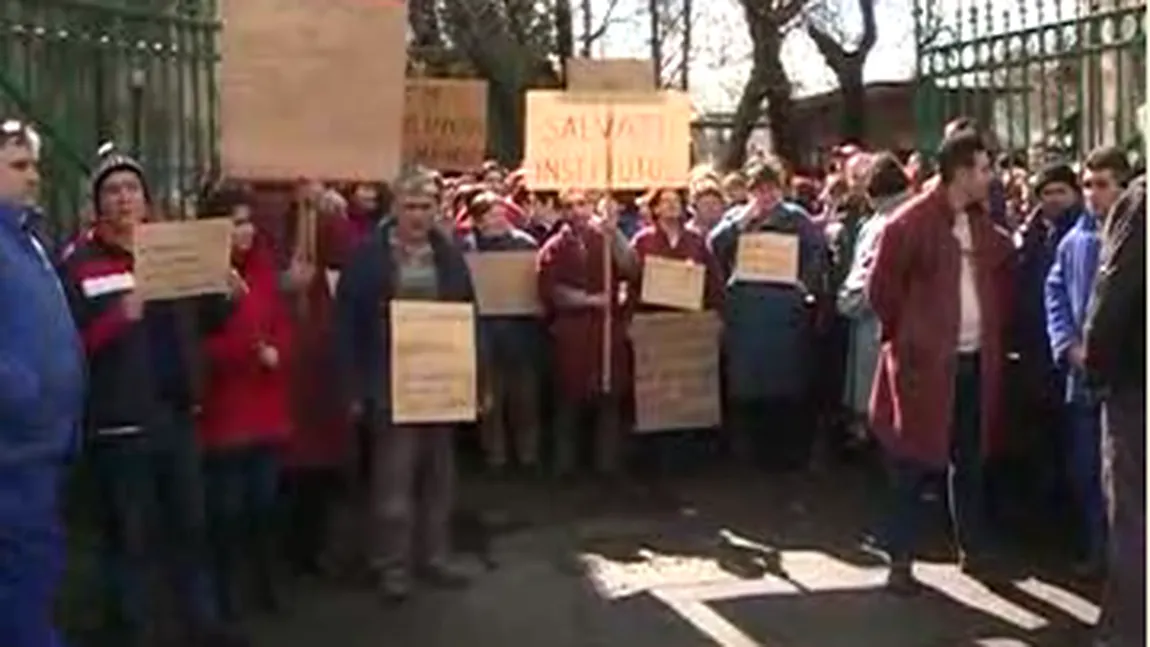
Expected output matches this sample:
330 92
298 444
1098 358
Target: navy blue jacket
362 313
1036 242
41 376
768 329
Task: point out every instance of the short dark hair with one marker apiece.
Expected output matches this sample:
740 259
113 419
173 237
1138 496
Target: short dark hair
1013 159
767 170
221 200
1109 158
886 177
959 150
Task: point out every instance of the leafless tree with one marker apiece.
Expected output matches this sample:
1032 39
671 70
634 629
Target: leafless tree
846 54
768 22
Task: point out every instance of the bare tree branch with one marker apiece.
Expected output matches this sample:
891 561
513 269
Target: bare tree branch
608 20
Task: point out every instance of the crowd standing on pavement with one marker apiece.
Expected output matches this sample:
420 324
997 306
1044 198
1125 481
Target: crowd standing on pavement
952 318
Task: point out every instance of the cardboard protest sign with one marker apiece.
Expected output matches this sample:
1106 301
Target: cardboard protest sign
505 283
308 88
676 370
174 260
433 366
673 283
610 75
445 123
607 141
767 257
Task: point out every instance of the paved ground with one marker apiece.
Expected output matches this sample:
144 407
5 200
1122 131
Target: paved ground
729 559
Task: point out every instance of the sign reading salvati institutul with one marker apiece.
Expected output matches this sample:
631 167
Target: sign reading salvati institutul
609 140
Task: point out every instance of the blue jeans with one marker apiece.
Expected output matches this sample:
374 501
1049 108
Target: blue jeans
964 477
151 500
1083 427
240 488
31 562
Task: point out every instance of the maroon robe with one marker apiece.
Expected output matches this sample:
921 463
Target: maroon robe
653 241
914 290
574 258
320 414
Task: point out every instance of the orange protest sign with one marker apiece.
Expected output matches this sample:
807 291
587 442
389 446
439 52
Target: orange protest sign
767 257
610 75
505 283
433 364
601 141
676 370
445 123
673 283
307 88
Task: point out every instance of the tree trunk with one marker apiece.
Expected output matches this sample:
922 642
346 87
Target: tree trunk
564 35
780 109
746 118
424 24
854 126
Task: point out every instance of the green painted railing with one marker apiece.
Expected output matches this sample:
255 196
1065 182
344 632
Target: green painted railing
1050 78
140 73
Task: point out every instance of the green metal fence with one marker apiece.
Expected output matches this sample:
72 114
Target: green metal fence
1050 78
140 73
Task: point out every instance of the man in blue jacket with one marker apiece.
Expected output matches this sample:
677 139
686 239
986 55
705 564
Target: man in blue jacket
407 258
41 397
1068 288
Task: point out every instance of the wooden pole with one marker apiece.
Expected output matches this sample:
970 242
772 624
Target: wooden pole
608 250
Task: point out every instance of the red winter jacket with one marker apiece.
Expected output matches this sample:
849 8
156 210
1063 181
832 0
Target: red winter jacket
244 402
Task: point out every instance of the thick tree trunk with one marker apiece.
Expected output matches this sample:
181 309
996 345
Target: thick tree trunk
746 118
854 126
848 68
780 108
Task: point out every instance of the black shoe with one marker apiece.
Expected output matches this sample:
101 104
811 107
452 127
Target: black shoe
444 576
900 581
394 587
221 636
981 567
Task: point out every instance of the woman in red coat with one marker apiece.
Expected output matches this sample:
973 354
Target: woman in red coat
244 419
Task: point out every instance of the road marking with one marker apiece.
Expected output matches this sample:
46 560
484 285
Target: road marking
708 621
1068 602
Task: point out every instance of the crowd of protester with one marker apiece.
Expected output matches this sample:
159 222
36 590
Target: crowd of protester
959 319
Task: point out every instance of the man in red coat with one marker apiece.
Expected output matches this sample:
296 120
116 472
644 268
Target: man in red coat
941 287
580 291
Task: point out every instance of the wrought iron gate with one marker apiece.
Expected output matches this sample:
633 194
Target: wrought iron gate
140 73
1050 78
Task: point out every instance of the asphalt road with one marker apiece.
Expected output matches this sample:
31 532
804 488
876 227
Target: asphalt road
729 558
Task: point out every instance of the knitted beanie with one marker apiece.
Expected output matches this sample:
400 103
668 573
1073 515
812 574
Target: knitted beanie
113 162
